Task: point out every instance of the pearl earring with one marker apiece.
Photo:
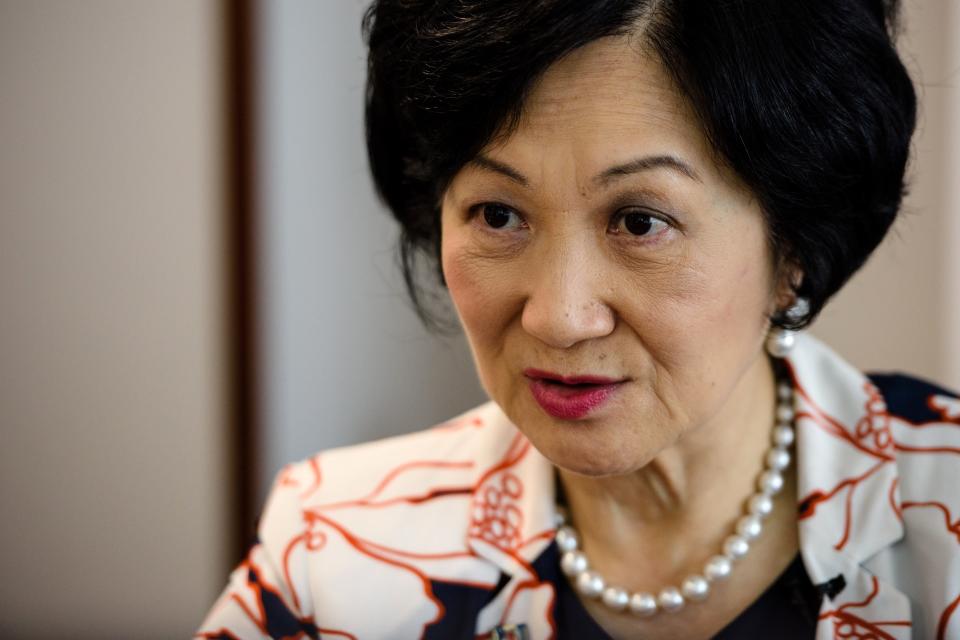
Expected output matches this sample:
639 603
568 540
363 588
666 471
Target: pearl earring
780 342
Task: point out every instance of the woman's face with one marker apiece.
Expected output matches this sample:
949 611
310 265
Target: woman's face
600 243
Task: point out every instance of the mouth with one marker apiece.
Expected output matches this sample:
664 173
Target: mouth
571 397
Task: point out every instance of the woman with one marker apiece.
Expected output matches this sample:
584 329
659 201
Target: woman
628 201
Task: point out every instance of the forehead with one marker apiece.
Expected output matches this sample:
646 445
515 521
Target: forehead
610 98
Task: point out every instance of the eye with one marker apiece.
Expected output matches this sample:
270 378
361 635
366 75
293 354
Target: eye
637 222
498 216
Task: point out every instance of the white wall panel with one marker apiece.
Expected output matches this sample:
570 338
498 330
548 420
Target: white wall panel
345 359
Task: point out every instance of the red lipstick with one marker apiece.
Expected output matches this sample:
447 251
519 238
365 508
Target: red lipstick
570 397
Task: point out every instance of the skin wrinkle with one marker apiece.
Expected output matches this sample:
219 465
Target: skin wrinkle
656 476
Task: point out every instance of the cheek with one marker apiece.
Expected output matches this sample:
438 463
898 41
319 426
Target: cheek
481 289
704 315
734 321
743 288
729 299
724 287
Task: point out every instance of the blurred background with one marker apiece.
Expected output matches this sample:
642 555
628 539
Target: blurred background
197 285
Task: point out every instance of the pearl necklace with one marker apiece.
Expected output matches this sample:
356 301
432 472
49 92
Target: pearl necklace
695 587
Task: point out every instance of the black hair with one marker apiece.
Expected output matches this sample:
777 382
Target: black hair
807 102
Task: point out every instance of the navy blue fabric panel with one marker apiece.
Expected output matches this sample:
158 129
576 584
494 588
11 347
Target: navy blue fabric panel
462 604
787 610
907 396
280 621
572 620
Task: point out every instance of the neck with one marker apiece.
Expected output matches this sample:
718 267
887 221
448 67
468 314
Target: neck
685 500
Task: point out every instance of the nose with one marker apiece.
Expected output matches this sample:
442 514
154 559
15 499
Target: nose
565 303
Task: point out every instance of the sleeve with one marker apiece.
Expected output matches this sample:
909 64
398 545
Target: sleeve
267 593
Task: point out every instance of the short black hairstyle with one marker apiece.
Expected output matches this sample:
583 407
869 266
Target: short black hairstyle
806 101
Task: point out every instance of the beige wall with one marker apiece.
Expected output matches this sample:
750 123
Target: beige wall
112 468
902 311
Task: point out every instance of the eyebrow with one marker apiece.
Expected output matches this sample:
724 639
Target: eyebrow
644 164
603 178
496 166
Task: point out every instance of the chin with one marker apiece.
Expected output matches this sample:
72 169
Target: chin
599 470
586 449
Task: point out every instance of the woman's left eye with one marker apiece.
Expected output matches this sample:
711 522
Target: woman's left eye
637 223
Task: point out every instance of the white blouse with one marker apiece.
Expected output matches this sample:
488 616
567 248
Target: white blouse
369 541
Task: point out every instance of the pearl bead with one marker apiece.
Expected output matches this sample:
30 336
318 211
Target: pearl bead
567 539
574 563
590 584
760 504
695 588
780 342
784 413
770 482
784 391
615 598
749 527
735 547
670 600
718 568
643 604
783 435
778 459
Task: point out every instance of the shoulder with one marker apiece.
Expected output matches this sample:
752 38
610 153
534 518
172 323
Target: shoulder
878 463
419 521
378 469
916 400
379 522
923 422
923 419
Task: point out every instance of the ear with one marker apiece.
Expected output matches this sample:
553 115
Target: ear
788 281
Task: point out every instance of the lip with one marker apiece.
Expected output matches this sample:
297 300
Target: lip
540 374
570 397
